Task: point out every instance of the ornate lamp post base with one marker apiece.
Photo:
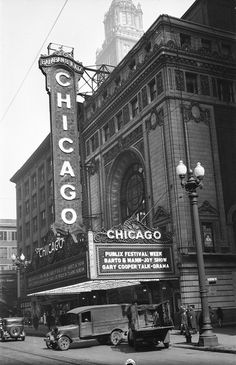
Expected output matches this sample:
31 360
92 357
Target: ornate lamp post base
207 338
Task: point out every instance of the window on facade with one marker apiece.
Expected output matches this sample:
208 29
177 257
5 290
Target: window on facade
208 237
34 201
226 49
206 44
126 114
191 83
87 147
3 235
33 181
42 195
225 90
13 235
94 142
134 107
106 132
123 18
26 186
3 252
41 174
119 120
205 86
27 229
144 96
159 83
152 89
185 40
27 207
43 218
28 252
35 224
133 193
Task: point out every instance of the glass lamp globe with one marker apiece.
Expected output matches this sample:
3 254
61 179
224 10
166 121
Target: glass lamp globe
199 170
181 169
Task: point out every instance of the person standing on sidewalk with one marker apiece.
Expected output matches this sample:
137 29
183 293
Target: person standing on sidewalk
192 319
220 316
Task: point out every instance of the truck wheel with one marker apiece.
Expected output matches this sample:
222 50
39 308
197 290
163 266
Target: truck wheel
63 343
116 337
166 345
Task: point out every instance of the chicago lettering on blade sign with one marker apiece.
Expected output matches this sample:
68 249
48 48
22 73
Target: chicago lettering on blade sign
62 80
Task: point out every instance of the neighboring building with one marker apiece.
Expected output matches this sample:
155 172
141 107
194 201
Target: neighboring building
8 246
173 97
123 26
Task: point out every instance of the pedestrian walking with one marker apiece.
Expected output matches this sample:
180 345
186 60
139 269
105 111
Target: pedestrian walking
220 316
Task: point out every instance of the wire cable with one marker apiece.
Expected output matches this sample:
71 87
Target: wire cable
32 64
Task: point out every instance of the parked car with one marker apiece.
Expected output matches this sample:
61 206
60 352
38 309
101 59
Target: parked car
150 324
105 323
12 328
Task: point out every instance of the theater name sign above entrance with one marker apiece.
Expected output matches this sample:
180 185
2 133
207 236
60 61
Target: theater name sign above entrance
62 75
130 252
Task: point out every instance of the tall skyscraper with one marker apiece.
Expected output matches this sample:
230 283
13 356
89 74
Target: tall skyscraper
123 27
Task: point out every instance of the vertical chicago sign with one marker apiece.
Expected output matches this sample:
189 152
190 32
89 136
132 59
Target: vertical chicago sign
62 75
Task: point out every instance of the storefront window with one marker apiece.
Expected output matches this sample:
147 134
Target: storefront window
133 193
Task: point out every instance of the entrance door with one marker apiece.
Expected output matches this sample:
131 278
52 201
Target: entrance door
85 324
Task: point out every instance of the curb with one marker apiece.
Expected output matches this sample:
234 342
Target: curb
195 346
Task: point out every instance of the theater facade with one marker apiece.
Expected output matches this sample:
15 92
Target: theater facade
101 211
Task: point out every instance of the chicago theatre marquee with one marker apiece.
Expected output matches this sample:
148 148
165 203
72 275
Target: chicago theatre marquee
100 210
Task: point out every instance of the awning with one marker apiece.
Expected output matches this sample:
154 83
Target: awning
89 286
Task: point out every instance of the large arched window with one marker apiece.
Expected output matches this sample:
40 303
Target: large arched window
132 193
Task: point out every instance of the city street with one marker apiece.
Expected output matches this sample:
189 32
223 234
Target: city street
33 351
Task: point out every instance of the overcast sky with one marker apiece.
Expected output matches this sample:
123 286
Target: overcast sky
25 32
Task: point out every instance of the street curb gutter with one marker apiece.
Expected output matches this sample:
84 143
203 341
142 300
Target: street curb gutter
195 346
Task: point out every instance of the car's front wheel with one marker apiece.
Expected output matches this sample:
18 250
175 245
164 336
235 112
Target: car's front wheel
63 343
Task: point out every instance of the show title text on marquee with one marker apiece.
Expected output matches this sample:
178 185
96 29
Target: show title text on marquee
62 75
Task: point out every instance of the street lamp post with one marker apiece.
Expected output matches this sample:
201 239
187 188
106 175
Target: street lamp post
194 181
21 263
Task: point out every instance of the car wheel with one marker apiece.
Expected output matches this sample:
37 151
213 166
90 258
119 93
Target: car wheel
63 343
15 331
116 337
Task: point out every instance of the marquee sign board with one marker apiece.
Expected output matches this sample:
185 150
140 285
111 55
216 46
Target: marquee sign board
130 252
62 76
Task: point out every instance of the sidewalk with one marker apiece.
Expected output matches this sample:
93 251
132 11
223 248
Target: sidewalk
226 340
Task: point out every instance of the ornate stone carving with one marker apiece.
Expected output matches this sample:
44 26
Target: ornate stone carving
207 209
196 113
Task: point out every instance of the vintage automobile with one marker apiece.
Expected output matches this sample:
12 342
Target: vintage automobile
149 324
106 323
12 328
